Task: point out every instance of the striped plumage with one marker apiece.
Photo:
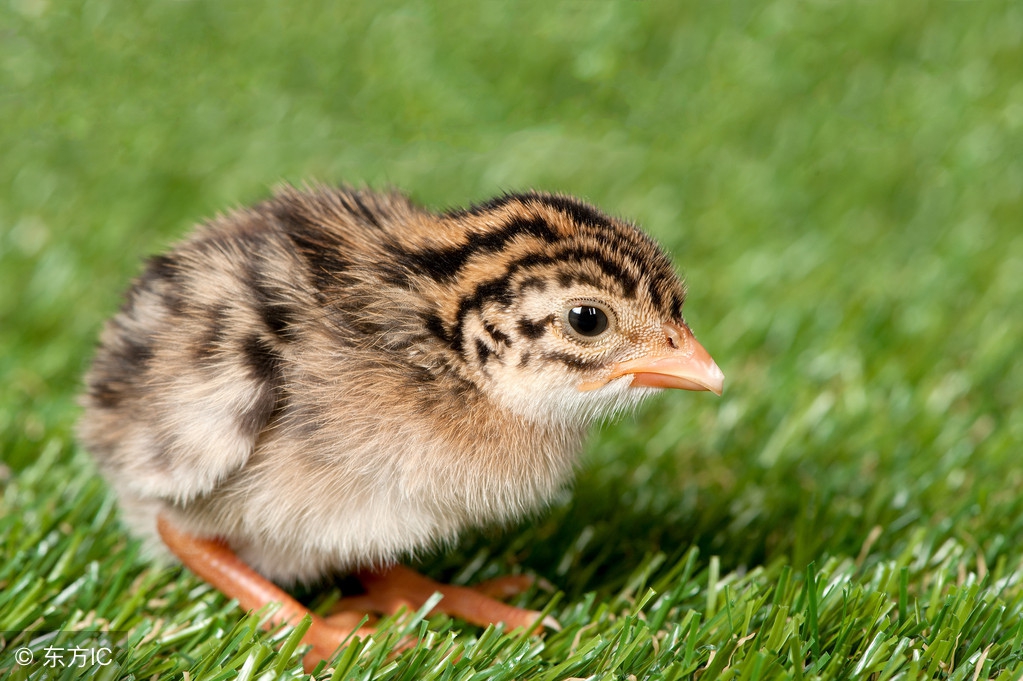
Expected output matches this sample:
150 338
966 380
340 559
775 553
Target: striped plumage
335 378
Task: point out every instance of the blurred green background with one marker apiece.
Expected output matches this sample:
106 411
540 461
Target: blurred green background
840 183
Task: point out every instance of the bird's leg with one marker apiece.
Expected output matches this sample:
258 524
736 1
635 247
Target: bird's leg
509 585
390 589
218 565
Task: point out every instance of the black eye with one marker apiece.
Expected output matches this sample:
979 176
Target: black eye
587 321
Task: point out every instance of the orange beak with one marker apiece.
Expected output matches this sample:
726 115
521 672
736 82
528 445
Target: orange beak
686 366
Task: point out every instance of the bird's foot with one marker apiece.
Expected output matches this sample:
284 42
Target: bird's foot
510 585
218 565
391 589
387 591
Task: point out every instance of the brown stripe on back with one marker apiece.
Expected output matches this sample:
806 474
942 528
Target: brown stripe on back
211 340
321 249
489 206
262 360
353 202
161 276
277 311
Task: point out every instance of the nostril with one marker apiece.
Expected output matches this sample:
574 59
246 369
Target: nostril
674 338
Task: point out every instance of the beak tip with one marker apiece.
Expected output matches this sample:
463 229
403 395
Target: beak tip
717 382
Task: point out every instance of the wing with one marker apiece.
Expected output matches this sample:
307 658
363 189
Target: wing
192 368
199 361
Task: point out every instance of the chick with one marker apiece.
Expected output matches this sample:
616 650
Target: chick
334 379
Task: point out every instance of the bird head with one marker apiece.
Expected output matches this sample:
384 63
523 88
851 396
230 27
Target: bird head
559 312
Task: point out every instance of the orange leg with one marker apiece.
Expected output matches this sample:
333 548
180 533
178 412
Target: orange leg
392 588
214 562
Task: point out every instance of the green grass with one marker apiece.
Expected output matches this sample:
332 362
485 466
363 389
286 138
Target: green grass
841 184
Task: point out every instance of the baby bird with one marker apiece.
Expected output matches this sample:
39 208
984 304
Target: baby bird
336 378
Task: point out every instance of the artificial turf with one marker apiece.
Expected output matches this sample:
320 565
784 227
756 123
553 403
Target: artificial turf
841 184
